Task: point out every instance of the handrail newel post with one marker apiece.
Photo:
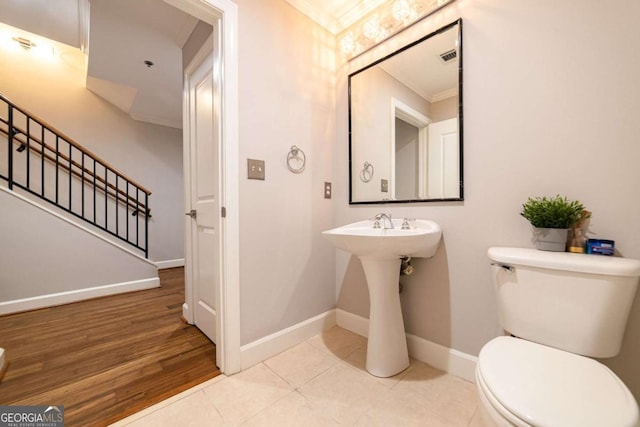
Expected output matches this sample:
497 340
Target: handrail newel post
146 225
28 152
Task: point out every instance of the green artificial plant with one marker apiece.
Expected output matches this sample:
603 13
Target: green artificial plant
552 212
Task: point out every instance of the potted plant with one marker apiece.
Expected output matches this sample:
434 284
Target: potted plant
551 218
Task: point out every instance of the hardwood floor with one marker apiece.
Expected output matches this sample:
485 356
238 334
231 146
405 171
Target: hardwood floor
106 358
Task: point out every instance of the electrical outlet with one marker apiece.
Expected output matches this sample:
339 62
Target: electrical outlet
255 169
327 190
384 185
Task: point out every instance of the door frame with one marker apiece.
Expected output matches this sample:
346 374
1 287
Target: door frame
412 116
223 16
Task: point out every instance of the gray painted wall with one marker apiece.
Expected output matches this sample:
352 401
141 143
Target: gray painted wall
537 75
149 154
536 78
285 97
198 36
43 255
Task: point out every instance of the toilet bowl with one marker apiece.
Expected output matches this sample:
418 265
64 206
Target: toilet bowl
564 309
522 383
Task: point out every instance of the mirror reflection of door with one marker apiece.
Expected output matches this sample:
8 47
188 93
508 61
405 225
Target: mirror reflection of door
409 129
426 170
407 160
443 164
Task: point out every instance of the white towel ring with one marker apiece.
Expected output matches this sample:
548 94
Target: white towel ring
367 172
296 160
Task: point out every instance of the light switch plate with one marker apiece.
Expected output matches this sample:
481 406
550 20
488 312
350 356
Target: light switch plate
384 185
255 169
327 190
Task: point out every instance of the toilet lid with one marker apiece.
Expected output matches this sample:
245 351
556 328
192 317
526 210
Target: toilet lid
544 386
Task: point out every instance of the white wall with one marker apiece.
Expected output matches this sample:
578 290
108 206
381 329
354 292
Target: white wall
152 155
286 97
550 107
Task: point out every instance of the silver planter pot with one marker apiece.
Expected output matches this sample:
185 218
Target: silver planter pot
550 239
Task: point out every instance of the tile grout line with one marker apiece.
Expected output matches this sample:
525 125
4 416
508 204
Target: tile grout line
169 402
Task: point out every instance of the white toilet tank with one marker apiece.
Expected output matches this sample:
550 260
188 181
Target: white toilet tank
575 302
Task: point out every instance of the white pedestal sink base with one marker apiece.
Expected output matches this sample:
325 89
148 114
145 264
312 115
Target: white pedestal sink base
387 353
380 250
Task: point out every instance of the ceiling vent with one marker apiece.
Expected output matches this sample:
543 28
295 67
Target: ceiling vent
449 55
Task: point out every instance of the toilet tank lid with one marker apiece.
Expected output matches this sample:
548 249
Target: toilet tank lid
582 263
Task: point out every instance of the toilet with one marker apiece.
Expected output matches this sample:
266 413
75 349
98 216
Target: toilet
558 310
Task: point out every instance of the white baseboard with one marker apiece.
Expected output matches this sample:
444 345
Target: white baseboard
170 263
186 313
266 347
447 359
352 322
67 297
455 362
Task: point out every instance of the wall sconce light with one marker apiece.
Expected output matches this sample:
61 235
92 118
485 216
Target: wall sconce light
16 41
41 49
383 22
374 30
24 43
405 12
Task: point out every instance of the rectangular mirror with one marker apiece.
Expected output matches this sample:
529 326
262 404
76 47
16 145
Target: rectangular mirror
405 123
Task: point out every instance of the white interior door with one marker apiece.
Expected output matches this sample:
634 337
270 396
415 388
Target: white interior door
443 170
223 16
204 203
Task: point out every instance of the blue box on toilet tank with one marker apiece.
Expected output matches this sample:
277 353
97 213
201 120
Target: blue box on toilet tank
600 246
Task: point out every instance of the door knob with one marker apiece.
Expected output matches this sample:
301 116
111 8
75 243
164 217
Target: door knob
193 214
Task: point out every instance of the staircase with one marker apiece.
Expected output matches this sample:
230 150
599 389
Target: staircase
37 158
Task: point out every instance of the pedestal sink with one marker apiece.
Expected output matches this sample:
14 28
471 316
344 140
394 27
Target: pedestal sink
380 251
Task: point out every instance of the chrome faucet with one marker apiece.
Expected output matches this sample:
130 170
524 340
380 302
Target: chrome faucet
385 218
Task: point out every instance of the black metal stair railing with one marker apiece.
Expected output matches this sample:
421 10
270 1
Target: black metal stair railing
44 162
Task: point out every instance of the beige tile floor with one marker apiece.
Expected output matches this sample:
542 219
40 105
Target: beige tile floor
320 382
